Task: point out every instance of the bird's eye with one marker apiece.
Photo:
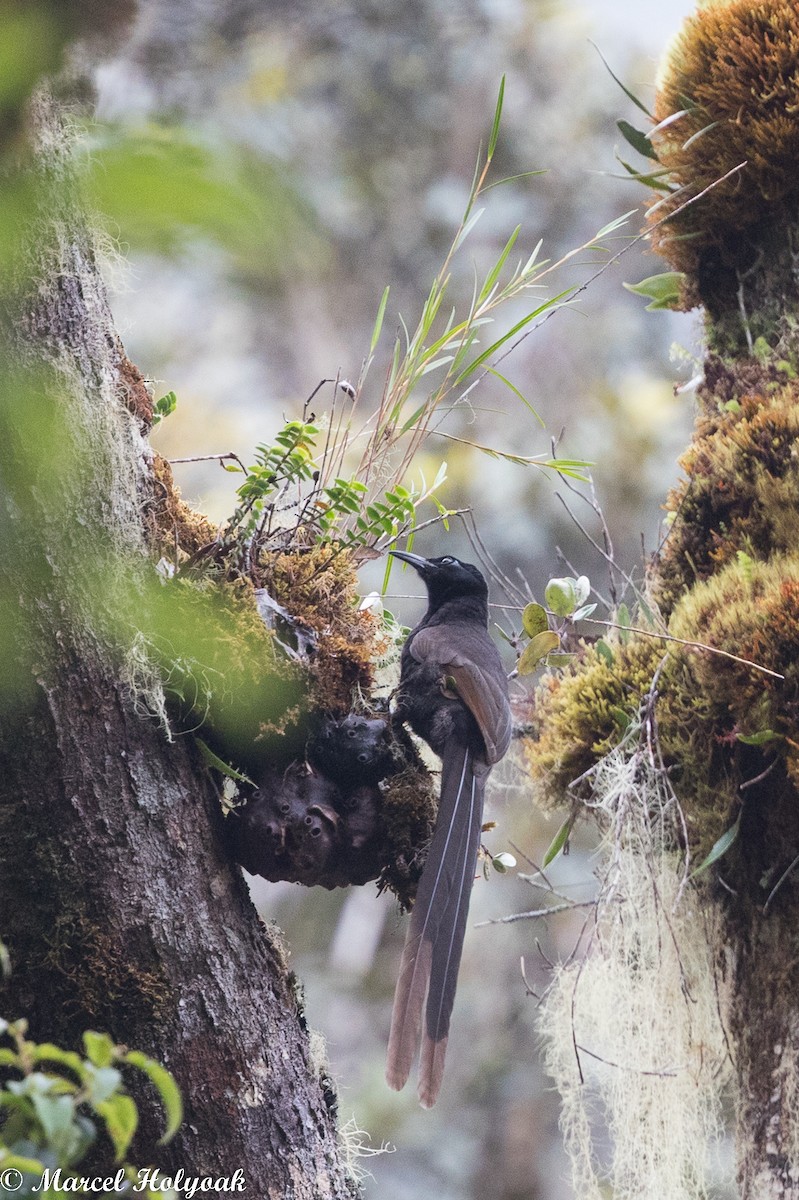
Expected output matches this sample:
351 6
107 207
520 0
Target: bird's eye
447 559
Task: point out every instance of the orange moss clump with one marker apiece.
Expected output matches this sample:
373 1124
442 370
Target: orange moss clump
176 528
319 587
732 74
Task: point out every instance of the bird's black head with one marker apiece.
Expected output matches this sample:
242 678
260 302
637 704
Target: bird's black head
446 578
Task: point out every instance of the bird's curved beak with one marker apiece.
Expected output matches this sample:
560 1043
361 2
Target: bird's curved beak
415 560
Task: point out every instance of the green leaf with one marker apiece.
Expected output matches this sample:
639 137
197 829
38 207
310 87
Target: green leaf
761 738
534 619
561 596
622 718
18 1162
536 649
121 1118
604 651
638 140
167 1090
503 862
164 407
219 764
574 468
582 589
55 1114
492 140
100 1050
560 660
663 290
46 1052
381 312
583 612
719 848
623 618
559 841
101 1083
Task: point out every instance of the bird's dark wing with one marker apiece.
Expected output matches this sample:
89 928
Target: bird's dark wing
466 652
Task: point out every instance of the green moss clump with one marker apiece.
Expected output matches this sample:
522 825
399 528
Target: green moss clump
750 610
741 491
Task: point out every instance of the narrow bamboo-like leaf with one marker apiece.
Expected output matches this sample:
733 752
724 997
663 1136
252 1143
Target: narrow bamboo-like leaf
559 841
381 312
493 274
612 226
467 228
653 179
534 619
492 141
516 392
537 648
616 79
431 366
719 848
513 178
575 469
638 140
531 316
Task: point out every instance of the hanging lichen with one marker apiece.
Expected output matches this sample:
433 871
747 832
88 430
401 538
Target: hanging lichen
698 712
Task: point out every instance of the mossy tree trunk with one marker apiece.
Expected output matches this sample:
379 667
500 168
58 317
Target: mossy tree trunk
730 570
118 903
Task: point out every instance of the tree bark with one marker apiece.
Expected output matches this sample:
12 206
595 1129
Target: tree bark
118 903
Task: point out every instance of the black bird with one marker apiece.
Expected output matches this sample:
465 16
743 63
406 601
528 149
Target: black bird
453 693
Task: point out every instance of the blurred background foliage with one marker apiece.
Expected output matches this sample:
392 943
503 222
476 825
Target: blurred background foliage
261 174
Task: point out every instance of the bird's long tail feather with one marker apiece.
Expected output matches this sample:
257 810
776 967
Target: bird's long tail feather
433 946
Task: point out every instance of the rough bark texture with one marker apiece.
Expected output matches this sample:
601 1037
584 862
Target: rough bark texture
763 1016
118 902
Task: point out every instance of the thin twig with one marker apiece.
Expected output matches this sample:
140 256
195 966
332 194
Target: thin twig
537 912
668 637
220 458
622 1067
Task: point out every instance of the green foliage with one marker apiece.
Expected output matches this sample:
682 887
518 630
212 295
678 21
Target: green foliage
54 1103
663 291
164 407
287 478
565 599
559 841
